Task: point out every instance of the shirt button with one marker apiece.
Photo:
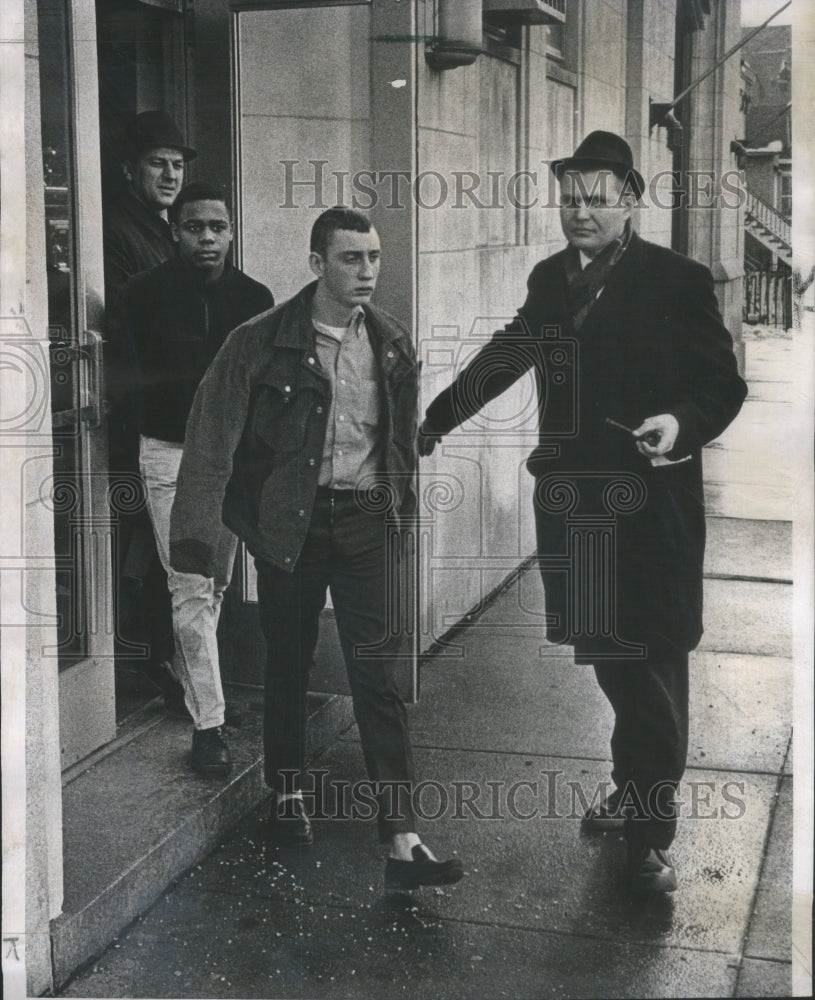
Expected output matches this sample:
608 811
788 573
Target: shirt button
287 560
301 513
319 409
390 354
287 388
311 461
311 361
342 381
342 417
339 451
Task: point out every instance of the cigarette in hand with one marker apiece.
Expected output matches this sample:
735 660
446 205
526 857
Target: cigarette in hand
652 438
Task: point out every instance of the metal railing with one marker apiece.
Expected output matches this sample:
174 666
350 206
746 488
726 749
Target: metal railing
770 218
768 298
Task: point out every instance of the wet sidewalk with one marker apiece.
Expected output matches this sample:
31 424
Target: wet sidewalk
508 734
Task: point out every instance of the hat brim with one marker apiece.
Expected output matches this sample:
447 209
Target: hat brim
626 174
186 151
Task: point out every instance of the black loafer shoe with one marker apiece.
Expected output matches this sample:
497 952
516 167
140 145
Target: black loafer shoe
290 825
422 870
210 754
606 815
650 870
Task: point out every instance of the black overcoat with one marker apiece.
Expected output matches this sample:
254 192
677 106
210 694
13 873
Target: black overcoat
620 542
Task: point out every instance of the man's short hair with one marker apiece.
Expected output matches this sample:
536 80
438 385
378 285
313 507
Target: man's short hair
330 221
198 191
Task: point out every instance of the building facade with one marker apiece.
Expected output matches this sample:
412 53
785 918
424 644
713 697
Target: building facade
768 148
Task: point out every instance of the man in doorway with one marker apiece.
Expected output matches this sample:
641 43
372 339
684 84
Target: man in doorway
175 318
654 379
304 424
137 237
137 233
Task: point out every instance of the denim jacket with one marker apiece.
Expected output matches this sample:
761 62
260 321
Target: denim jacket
254 438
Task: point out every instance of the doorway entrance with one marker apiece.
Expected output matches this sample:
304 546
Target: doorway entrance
142 66
76 490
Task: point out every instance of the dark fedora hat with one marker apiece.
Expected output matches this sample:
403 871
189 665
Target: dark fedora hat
603 150
152 129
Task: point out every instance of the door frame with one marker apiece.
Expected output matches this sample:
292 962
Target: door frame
87 707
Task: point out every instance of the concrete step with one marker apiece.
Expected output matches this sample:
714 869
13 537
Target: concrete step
135 817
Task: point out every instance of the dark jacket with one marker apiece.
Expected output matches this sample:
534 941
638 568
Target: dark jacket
135 240
653 343
256 431
171 326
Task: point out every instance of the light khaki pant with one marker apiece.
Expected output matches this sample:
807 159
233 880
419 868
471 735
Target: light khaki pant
196 600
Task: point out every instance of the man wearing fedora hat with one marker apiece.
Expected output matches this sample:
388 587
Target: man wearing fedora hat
137 237
649 378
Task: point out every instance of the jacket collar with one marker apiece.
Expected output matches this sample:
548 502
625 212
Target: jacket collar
137 210
297 331
620 286
193 277
632 259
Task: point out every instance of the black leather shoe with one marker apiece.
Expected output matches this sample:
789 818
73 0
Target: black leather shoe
606 815
650 870
422 870
290 825
210 754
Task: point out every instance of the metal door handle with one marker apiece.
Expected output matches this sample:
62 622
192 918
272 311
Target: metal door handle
92 351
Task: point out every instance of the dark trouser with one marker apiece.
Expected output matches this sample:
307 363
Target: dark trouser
649 745
344 549
141 597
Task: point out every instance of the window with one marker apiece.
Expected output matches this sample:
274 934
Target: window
785 189
556 41
561 48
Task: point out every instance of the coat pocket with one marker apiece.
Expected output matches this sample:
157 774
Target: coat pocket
280 416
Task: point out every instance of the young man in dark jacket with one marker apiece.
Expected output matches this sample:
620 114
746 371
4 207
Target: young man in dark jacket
303 436
173 320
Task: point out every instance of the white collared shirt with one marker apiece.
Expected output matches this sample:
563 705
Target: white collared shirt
354 428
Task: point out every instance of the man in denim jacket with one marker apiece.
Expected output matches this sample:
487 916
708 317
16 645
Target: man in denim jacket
302 437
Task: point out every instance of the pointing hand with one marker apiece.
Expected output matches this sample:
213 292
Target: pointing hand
427 441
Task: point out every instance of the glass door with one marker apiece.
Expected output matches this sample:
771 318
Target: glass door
77 489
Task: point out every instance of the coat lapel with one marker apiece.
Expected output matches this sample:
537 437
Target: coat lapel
619 292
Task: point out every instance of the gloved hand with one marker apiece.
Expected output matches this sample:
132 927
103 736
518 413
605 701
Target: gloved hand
427 441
